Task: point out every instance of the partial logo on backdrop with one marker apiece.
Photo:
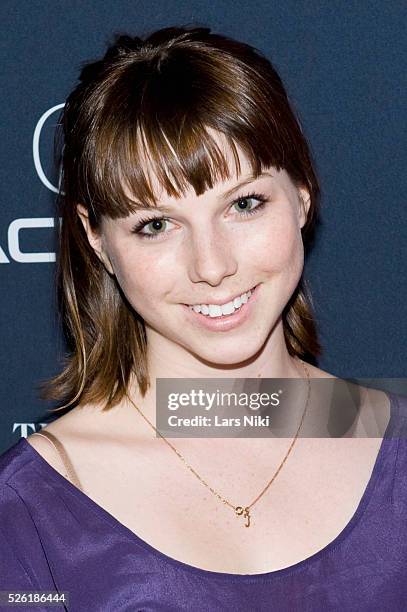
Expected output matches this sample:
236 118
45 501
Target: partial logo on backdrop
19 234
36 147
14 241
25 429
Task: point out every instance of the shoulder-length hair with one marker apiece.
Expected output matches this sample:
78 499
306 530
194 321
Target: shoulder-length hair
156 99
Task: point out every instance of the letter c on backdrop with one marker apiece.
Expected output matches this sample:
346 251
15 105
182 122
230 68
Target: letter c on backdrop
36 147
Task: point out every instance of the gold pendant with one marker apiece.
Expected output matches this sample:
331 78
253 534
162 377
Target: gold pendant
245 511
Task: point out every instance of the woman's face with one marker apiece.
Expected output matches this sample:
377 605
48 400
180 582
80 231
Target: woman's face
209 250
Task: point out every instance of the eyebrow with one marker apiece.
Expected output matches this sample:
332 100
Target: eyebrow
249 179
226 195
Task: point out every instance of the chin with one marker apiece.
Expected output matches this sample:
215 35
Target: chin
229 353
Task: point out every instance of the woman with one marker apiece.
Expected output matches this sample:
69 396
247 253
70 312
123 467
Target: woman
189 198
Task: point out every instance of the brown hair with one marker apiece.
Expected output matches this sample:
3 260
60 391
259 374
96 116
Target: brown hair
155 99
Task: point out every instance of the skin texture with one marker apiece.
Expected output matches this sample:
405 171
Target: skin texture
208 249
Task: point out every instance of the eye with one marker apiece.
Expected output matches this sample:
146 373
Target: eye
155 224
248 205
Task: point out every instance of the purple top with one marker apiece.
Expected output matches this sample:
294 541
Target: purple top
54 537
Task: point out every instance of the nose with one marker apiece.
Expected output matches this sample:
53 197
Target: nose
211 257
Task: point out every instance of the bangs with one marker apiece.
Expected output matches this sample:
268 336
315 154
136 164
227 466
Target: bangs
155 124
153 159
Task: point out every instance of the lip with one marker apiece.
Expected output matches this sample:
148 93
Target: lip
225 322
220 302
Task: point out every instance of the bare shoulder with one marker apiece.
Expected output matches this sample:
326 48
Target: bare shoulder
68 430
45 448
374 405
317 372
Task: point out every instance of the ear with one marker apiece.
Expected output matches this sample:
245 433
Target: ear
304 205
94 237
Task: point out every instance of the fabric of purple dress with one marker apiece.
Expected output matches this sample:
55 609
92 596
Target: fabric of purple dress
54 537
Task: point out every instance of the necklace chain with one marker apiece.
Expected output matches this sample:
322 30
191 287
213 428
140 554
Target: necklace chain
239 510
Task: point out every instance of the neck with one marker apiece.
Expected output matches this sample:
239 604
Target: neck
169 360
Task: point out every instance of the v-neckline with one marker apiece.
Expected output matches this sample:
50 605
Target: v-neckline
286 571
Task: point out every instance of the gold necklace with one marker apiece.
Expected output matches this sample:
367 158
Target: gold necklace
239 510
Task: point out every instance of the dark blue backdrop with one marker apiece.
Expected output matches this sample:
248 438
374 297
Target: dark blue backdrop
343 65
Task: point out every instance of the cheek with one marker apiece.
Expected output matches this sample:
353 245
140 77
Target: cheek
141 278
278 247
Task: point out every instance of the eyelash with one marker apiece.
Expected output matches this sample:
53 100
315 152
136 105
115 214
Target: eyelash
250 196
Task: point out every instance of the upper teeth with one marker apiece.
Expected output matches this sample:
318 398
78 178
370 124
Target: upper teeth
216 310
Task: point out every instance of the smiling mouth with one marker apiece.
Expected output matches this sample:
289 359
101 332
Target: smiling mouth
227 309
